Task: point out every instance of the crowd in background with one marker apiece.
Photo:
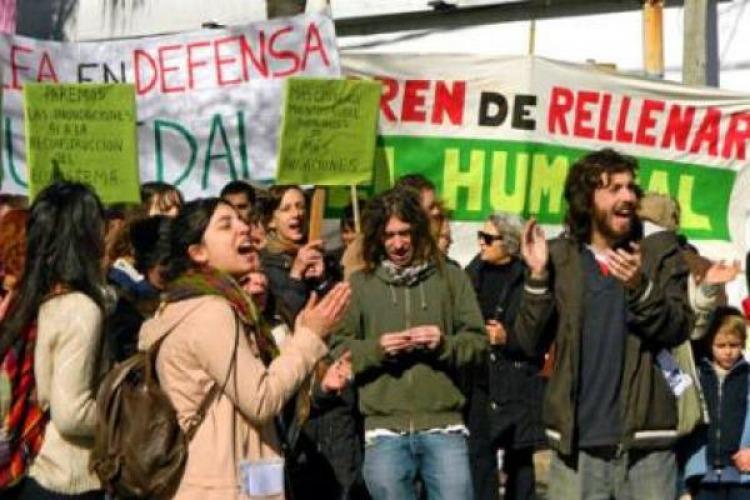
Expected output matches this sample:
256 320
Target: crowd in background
373 365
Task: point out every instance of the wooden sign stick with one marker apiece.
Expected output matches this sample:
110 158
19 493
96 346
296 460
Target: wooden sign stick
355 208
317 212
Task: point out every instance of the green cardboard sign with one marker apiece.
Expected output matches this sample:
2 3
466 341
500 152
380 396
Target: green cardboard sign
328 132
88 133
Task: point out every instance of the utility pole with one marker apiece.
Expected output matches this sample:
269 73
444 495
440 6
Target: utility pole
532 37
700 59
653 38
284 8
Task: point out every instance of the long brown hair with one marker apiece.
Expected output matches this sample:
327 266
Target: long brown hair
64 247
403 203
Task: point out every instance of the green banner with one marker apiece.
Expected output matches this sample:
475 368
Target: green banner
85 132
476 177
328 132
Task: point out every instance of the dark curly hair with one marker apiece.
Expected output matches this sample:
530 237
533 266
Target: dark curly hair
586 175
415 181
403 203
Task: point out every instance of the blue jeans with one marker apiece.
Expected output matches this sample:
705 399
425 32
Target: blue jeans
392 464
634 475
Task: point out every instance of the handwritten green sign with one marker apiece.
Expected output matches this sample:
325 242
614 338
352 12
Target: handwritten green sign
88 133
328 132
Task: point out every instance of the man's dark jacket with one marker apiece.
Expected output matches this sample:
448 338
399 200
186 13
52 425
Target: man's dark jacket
552 310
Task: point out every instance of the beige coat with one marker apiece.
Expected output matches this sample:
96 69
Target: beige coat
239 423
65 356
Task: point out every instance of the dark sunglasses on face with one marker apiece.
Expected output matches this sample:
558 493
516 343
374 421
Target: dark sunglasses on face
488 238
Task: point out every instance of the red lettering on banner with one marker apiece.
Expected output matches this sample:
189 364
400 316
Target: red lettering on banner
582 126
313 35
736 137
139 55
46 69
16 68
389 93
177 67
647 122
449 102
604 133
622 134
192 64
259 64
652 127
708 133
561 102
164 70
283 54
412 109
220 62
678 127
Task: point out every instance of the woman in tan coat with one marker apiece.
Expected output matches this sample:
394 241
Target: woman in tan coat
213 337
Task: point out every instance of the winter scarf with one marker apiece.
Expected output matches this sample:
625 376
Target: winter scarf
404 276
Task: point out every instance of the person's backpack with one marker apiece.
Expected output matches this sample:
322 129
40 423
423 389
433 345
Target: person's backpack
22 420
140 450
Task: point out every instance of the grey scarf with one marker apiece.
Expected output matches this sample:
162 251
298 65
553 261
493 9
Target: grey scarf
404 276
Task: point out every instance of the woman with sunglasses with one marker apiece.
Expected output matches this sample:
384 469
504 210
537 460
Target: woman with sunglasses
504 408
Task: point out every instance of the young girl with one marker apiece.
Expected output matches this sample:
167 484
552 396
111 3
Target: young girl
720 466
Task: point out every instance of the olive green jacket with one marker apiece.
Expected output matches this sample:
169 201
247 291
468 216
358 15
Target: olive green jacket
552 311
418 390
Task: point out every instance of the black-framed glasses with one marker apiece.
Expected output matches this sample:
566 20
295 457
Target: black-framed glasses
488 238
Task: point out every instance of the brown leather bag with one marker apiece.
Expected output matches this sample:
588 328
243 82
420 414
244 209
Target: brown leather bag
140 450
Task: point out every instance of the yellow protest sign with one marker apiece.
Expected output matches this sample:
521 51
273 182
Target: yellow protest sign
88 133
328 132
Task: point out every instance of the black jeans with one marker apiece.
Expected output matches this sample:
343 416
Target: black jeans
518 466
31 490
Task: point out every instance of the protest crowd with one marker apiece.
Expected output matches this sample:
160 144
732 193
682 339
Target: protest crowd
252 361
233 334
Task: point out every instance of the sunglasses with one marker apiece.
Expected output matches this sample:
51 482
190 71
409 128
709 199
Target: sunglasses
488 238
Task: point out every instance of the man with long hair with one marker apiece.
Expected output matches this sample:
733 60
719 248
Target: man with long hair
352 260
610 414
413 324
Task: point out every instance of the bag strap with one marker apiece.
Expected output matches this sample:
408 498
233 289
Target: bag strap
215 390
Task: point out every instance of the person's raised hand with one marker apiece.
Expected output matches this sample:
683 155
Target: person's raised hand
308 256
626 266
741 460
322 315
534 248
496 333
721 273
339 374
316 270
